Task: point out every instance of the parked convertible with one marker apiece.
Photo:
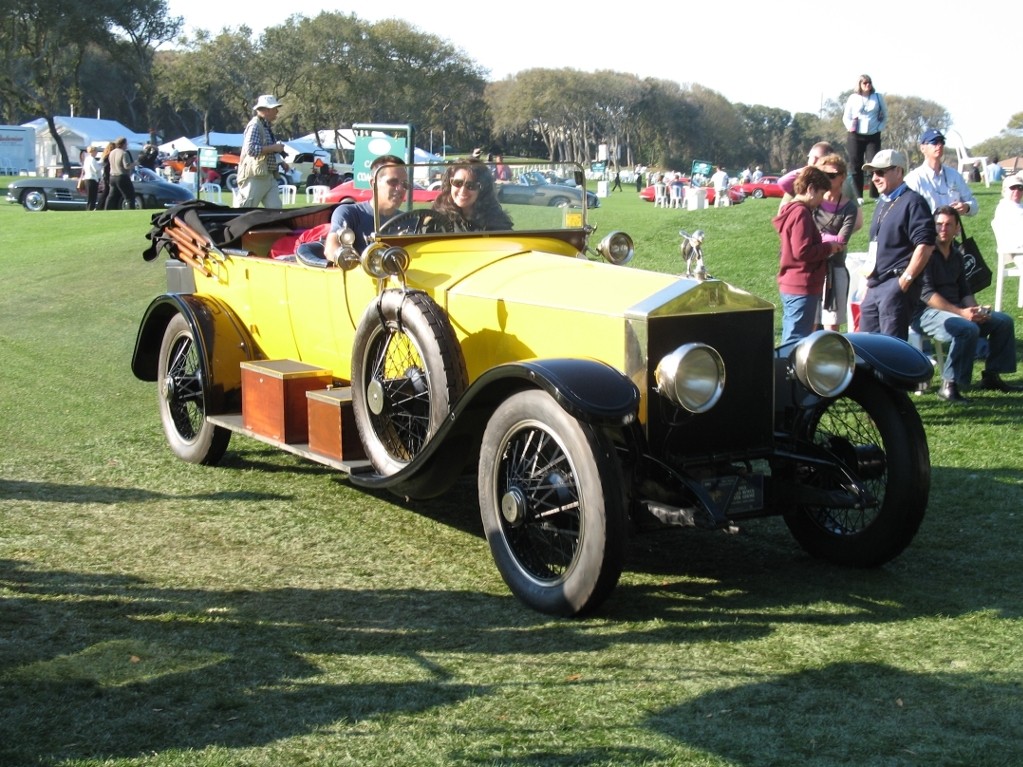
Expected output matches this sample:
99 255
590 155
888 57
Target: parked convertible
151 191
535 187
590 399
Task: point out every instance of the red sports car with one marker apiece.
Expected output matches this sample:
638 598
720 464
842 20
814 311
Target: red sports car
765 187
347 192
735 193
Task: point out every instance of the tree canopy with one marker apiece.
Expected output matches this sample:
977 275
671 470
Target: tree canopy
125 59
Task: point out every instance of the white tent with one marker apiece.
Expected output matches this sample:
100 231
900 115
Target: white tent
341 138
180 144
77 133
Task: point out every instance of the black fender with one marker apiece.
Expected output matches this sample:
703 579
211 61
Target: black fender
891 360
222 339
589 390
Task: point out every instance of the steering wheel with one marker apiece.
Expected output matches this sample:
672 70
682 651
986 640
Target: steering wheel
409 222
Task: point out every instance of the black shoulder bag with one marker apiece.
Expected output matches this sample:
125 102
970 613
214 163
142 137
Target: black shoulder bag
978 273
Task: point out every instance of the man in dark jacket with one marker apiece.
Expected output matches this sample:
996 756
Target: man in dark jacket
901 241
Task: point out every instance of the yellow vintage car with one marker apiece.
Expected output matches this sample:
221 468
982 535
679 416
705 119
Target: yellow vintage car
592 399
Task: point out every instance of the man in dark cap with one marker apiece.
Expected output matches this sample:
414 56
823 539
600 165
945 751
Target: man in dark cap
938 183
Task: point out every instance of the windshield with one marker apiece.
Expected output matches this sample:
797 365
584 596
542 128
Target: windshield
470 197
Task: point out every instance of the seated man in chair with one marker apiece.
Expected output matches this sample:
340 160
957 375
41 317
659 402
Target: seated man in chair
951 315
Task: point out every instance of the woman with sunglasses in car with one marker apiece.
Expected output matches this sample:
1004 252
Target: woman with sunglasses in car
468 200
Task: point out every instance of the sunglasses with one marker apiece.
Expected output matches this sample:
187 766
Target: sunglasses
1016 188
394 183
865 82
472 186
879 171
831 174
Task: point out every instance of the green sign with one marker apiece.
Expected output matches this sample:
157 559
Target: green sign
367 149
208 157
702 168
598 167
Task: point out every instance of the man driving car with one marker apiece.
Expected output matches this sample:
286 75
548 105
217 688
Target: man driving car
390 184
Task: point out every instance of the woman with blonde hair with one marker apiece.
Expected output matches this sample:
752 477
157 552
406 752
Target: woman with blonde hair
836 220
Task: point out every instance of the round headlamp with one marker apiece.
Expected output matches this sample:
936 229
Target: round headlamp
824 362
692 377
617 248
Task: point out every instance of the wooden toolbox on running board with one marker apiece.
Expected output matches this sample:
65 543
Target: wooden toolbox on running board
274 397
332 430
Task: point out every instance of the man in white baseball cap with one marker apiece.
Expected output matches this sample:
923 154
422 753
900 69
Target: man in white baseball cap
902 237
260 158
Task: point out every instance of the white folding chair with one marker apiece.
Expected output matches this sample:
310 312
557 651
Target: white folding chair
660 196
676 195
288 193
316 193
211 191
963 157
1009 265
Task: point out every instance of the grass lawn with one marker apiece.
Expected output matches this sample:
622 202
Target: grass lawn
265 613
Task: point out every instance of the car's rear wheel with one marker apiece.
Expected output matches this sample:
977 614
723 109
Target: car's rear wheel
230 180
407 372
559 202
135 203
875 433
758 194
34 200
551 502
182 381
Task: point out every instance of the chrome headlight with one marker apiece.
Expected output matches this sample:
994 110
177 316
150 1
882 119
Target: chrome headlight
824 362
692 376
381 260
617 248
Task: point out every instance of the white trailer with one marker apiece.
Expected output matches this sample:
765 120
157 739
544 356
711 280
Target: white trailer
17 150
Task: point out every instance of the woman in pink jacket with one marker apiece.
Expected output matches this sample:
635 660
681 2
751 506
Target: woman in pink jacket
804 255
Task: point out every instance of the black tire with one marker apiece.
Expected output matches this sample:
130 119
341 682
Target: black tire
407 372
876 433
182 382
559 202
230 180
552 506
758 194
135 203
34 200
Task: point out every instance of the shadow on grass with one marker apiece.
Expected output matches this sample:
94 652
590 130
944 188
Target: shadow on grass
853 714
59 492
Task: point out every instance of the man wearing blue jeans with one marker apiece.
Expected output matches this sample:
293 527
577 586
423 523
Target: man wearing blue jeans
951 315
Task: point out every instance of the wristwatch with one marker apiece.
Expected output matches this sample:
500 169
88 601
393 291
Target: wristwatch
906 276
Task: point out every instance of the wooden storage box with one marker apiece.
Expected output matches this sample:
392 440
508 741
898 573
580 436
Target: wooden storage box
273 397
332 430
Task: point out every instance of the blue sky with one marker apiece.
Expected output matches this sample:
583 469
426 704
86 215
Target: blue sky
749 53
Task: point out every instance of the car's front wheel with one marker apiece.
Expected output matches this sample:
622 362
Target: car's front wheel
551 502
182 382
135 203
874 432
230 180
407 372
34 200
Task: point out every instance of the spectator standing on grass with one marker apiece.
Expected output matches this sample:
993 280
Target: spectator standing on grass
720 183
865 117
92 172
804 255
950 314
936 182
816 155
104 180
121 190
261 156
901 241
836 219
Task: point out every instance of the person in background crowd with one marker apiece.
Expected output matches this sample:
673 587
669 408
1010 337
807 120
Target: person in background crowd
259 144
836 219
803 255
502 173
720 183
950 314
865 117
122 191
901 241
104 181
92 172
1008 220
937 183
